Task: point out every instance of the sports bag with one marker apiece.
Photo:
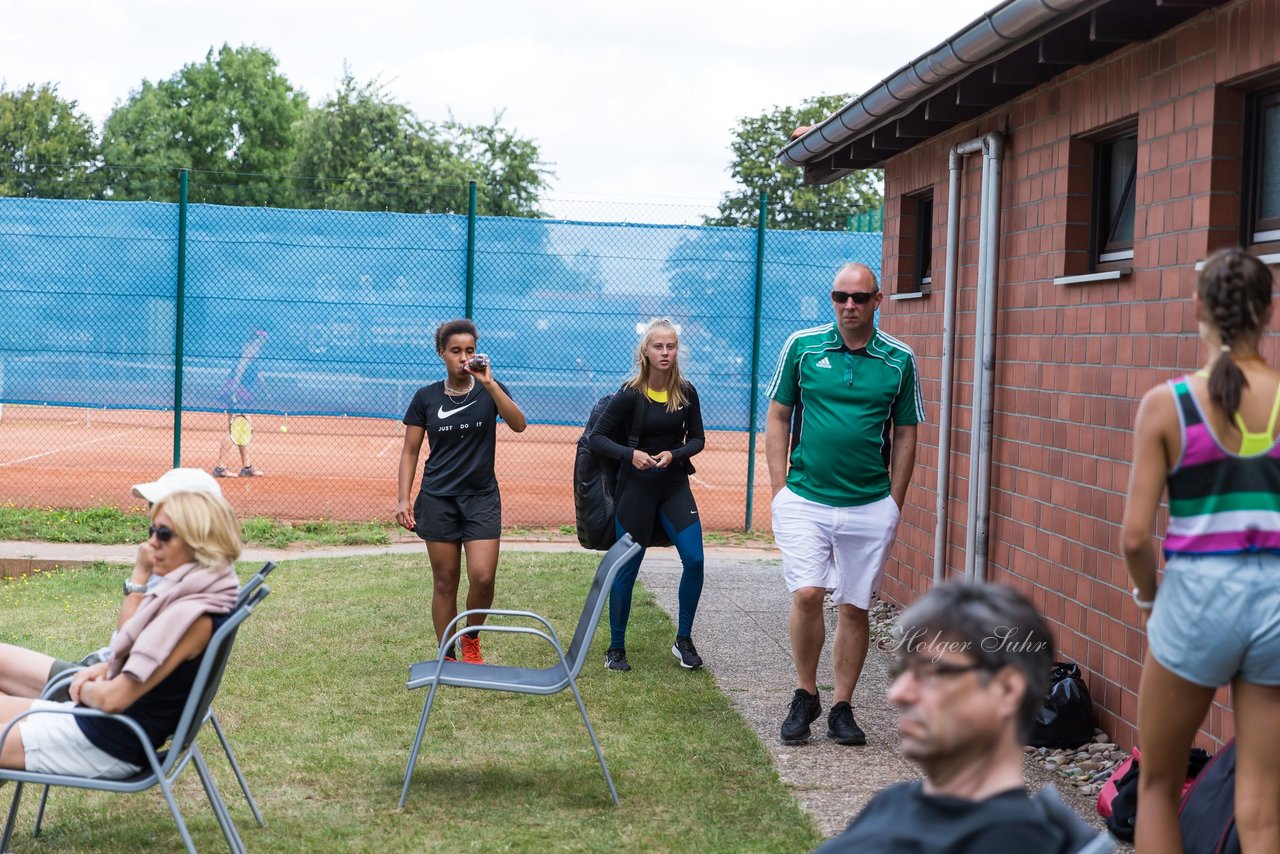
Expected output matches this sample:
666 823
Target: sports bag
595 483
1208 811
598 480
1066 717
1118 800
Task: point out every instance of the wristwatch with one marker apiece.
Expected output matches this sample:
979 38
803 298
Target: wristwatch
130 587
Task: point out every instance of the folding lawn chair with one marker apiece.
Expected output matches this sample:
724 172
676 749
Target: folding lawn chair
523 680
63 679
163 767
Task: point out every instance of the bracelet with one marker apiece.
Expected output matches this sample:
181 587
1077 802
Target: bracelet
1143 604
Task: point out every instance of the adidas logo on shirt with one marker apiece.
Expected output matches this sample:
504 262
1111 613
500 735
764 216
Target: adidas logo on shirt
824 362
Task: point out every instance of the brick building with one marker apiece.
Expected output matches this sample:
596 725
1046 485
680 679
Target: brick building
1052 178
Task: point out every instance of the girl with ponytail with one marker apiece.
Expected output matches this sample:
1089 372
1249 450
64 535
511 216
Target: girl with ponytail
1210 438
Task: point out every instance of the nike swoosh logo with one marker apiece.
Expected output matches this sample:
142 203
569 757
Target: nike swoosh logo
445 413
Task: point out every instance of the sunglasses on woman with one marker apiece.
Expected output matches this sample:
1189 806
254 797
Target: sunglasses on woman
858 297
161 532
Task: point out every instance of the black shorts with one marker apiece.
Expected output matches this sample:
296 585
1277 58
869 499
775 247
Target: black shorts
453 518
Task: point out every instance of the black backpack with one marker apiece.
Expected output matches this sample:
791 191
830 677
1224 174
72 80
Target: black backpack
597 481
1208 811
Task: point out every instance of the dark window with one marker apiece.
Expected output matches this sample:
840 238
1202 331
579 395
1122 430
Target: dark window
1264 164
924 241
1115 168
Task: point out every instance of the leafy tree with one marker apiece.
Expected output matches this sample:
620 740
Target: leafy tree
47 148
360 150
233 115
506 168
792 203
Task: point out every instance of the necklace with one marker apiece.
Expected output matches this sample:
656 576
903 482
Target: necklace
451 393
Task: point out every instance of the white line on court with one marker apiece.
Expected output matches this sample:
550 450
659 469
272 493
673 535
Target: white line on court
693 478
84 444
391 443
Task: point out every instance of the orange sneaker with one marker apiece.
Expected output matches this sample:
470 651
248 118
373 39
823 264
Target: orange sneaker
471 650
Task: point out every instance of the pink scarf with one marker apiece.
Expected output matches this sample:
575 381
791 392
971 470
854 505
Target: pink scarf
184 595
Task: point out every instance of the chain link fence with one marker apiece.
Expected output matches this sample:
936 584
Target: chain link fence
133 329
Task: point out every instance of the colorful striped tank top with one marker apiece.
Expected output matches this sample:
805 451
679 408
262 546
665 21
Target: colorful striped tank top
1220 502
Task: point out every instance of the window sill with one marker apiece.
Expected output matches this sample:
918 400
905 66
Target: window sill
909 295
1270 260
1087 278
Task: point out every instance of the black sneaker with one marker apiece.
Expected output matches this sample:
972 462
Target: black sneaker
616 659
842 728
684 650
805 708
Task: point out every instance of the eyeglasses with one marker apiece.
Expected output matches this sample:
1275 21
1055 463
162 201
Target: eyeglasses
858 297
929 672
162 533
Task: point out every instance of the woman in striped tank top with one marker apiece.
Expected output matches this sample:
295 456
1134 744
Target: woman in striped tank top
1210 438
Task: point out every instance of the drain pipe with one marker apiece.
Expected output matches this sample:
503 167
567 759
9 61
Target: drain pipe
984 346
954 161
991 146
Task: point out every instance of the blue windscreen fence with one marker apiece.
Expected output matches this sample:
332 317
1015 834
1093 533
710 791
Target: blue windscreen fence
96 310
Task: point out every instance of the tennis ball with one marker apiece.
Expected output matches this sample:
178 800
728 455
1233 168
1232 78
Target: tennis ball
284 428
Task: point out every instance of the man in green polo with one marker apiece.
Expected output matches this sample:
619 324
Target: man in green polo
844 405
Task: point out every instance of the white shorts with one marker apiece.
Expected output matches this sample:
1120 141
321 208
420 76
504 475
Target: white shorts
841 549
54 744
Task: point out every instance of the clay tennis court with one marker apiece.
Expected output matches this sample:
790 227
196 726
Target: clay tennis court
330 468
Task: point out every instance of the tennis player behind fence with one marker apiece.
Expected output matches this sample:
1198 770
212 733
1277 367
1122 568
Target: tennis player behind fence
237 392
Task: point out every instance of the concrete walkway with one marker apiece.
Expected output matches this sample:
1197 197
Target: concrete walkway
741 633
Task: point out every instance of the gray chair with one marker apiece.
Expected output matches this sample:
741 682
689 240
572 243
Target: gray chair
523 680
163 767
57 686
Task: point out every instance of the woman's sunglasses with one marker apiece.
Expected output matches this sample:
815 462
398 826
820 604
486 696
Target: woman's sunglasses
858 297
162 533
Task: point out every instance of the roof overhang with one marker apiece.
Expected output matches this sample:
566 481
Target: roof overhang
1015 47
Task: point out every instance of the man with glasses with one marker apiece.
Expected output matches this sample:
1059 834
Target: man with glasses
972 669
840 440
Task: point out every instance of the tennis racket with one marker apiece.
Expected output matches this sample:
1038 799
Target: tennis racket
241 430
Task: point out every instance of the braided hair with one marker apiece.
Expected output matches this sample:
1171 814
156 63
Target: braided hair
1235 289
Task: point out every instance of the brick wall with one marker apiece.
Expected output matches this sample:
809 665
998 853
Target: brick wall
1072 361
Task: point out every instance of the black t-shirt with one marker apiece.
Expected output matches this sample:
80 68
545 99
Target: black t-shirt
461 439
902 819
679 432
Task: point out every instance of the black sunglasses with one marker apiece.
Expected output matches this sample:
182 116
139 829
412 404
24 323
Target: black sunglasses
162 533
858 297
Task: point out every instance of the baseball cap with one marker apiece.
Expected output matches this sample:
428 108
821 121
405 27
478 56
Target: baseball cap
177 480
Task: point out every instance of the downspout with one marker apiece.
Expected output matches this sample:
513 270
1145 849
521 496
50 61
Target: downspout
994 151
991 145
954 162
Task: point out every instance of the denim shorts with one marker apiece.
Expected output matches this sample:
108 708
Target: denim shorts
1217 617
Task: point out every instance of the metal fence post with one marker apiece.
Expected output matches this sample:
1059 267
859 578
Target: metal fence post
755 359
180 309
471 247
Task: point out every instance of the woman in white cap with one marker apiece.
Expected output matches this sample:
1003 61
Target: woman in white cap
194 542
142 578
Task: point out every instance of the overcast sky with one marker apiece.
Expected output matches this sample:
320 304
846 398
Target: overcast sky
632 104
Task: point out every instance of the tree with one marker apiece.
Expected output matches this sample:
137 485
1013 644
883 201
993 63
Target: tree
506 168
233 116
47 148
791 204
360 150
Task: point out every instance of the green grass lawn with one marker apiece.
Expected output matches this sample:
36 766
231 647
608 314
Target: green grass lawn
315 705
